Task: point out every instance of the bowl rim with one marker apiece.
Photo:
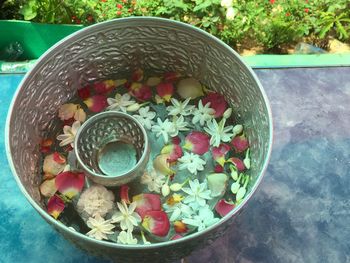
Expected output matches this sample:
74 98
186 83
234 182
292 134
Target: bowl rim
184 239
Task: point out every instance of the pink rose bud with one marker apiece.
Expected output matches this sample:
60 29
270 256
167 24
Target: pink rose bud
165 90
156 222
217 102
96 103
197 142
220 152
240 143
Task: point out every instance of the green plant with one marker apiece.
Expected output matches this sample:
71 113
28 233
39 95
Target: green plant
340 23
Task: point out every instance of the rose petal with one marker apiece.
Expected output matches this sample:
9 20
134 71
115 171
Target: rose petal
156 222
197 142
223 208
66 111
84 93
238 163
165 90
70 183
124 193
177 236
51 166
140 91
217 102
190 88
220 152
104 87
180 227
96 103
171 76
161 164
48 188
55 206
137 75
240 143
174 151
146 202
217 183
58 158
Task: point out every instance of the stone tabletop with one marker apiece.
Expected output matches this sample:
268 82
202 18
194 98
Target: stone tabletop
300 213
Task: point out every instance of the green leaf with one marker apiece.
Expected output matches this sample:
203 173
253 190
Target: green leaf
29 10
341 30
325 29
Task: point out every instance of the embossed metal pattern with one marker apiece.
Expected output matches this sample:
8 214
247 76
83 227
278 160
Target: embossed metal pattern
103 128
112 49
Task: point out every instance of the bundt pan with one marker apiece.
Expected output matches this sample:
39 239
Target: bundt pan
116 48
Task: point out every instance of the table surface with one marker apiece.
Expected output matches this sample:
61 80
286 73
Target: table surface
300 213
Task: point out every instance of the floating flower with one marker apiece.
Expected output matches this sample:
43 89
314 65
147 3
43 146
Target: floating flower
125 237
219 153
156 222
189 88
68 136
237 129
96 103
124 193
237 162
55 206
165 90
178 210
217 183
217 102
70 183
174 199
52 165
146 202
48 187
236 185
234 172
203 219
246 160
179 124
95 200
153 180
174 152
240 143
145 117
120 102
198 193
140 91
218 132
192 162
165 129
126 216
197 142
180 108
100 228
84 93
202 114
67 111
104 87
180 227
161 164
223 207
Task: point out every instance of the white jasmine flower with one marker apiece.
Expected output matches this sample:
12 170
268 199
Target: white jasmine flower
95 200
165 129
197 194
179 107
218 132
125 237
99 227
203 114
153 180
120 102
203 219
226 3
178 211
230 13
179 125
145 117
69 134
126 216
192 162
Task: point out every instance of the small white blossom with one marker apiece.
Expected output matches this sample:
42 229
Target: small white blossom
218 132
120 102
204 219
145 117
179 107
99 227
125 237
197 194
178 211
126 216
203 114
153 180
69 134
179 125
165 129
192 162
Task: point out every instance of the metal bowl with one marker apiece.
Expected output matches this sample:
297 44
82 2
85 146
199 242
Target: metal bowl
118 47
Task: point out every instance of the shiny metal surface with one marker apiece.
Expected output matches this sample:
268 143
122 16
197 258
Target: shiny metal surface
111 49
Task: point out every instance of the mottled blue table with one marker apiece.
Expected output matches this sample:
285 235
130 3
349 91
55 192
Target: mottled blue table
301 212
